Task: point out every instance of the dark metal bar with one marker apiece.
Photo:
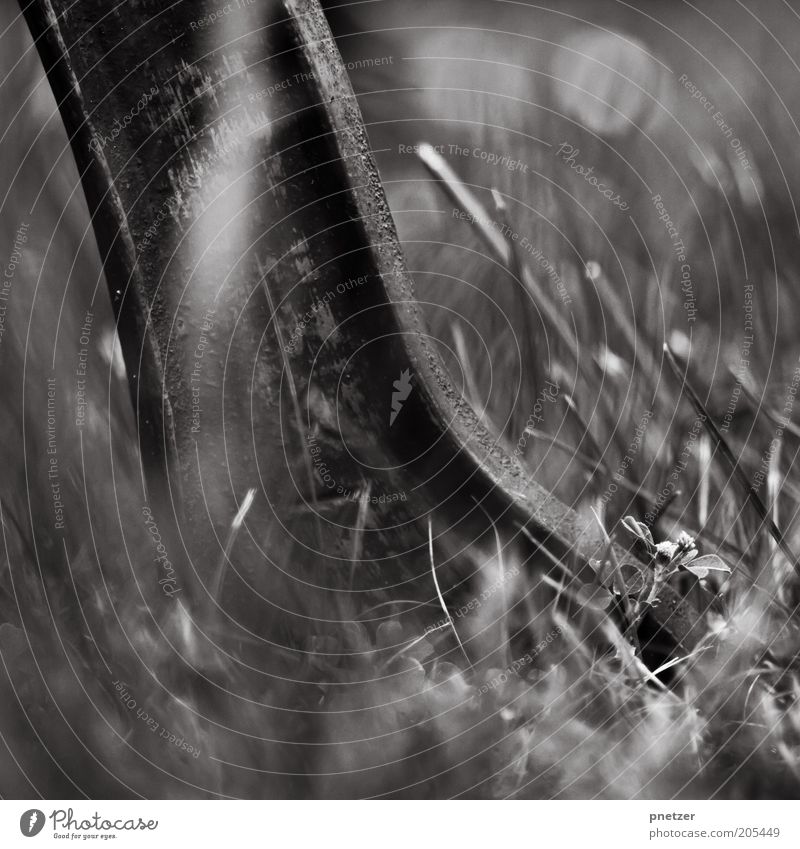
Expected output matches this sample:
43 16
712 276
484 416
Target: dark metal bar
239 210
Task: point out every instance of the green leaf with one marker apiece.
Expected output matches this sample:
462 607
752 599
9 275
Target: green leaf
699 572
701 566
634 578
637 529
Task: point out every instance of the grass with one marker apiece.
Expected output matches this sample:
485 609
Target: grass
530 692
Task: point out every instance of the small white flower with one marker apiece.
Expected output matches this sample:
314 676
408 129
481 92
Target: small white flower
686 541
667 549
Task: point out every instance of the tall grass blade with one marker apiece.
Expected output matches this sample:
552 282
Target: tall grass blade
751 496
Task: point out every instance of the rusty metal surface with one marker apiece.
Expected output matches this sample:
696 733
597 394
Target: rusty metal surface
239 200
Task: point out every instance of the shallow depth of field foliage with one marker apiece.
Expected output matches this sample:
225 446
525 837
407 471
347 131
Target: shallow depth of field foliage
105 693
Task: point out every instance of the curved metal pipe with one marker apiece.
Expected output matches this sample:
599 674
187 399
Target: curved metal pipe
266 316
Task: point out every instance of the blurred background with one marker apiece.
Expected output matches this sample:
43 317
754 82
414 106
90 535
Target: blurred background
645 159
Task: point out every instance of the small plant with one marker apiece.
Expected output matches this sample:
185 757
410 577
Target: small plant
669 559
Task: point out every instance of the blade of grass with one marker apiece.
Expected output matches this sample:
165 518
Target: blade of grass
461 195
516 267
704 462
441 597
236 524
636 489
676 660
505 642
751 496
761 407
641 351
473 395
287 367
631 613
358 531
586 434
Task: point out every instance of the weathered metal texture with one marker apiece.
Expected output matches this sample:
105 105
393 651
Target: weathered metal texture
247 213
